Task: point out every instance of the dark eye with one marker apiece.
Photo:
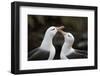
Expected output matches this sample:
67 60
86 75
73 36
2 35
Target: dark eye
69 36
53 29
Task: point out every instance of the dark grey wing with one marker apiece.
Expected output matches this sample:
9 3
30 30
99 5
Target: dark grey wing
38 54
78 54
81 51
32 52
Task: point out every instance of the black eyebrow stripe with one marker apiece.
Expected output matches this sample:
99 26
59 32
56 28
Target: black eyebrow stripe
69 35
53 29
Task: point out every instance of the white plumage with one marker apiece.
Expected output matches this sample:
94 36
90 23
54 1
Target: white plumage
67 51
46 49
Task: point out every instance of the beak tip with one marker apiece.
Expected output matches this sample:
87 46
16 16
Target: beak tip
61 27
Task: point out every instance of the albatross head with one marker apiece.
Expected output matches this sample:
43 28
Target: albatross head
69 38
51 31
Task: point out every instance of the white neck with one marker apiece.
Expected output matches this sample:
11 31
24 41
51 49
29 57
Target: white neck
67 49
47 42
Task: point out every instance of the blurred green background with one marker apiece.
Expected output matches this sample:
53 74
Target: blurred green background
38 24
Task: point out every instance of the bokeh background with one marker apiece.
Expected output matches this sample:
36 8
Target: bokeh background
38 24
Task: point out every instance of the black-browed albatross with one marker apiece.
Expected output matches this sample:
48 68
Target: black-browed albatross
67 52
46 51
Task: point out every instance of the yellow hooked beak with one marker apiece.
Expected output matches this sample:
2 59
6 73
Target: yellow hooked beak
60 30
